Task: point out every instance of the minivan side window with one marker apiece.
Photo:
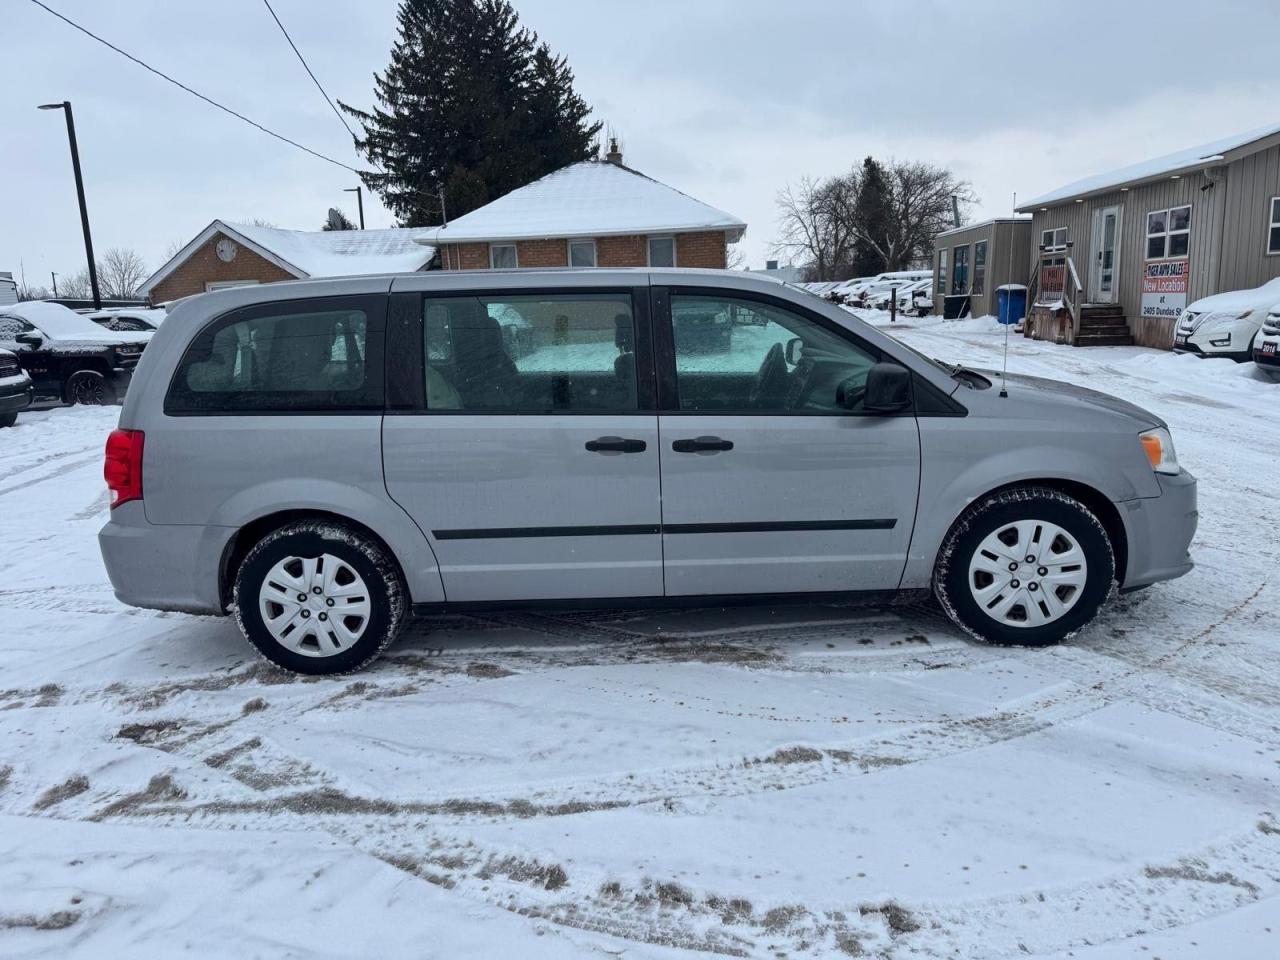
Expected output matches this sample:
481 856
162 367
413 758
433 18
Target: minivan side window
746 356
287 357
530 354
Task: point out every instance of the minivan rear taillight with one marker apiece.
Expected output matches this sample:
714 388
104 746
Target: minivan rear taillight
123 469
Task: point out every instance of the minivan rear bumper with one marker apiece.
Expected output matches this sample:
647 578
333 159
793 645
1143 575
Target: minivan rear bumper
1159 531
163 566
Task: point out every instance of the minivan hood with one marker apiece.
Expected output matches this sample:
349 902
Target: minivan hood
1070 394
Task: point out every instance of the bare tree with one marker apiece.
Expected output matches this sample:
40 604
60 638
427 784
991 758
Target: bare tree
120 273
814 221
919 207
74 286
173 249
888 212
735 259
33 293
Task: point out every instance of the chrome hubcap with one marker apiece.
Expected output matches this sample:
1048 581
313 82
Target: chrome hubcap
315 606
1028 573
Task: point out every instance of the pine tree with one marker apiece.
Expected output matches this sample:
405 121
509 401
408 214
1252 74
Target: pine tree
871 218
471 104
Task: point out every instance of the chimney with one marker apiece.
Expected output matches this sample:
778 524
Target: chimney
614 155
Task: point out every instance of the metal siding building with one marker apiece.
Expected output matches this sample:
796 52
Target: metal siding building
1229 187
1008 260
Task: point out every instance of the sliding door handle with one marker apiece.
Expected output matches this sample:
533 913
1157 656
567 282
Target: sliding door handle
616 445
701 445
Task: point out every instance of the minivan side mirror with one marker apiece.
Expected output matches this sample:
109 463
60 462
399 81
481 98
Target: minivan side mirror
31 338
888 389
795 350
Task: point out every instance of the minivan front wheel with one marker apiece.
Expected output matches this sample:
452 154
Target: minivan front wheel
319 598
1025 567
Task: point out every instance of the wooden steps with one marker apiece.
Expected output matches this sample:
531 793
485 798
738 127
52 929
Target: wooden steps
1103 325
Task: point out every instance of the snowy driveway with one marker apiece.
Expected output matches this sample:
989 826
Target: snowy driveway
815 781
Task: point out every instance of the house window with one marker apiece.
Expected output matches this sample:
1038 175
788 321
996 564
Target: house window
980 268
1273 231
662 251
1168 233
960 270
582 253
502 256
942 272
1055 239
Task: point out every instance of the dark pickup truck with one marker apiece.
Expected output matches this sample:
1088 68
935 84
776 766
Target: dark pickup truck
69 357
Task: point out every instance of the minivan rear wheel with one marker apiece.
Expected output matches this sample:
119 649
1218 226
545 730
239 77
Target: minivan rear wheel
1025 567
319 598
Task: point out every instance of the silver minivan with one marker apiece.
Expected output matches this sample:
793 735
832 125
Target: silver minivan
325 458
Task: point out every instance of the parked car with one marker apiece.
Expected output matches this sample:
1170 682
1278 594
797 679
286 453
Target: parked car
129 319
324 458
1266 345
69 357
1225 324
15 389
704 328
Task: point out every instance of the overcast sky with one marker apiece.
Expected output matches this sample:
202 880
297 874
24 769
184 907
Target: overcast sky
727 100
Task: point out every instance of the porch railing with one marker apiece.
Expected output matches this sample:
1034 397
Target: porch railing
1055 284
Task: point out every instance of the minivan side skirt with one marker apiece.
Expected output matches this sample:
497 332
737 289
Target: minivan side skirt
850 597
761 526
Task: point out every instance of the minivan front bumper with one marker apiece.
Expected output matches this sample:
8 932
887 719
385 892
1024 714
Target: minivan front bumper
1159 531
169 566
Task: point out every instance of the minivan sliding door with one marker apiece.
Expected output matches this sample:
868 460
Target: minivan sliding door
521 436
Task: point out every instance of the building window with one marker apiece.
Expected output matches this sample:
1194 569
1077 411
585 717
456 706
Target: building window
960 270
1273 231
980 268
942 272
582 253
662 251
1168 233
1055 239
502 256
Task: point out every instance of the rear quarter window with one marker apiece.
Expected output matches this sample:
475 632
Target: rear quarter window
308 356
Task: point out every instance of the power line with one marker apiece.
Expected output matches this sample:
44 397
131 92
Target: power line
310 73
201 96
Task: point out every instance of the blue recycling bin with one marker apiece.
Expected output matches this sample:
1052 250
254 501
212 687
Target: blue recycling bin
1011 303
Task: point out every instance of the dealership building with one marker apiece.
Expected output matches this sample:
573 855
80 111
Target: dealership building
1122 253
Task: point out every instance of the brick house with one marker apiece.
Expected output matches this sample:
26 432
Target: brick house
236 254
597 213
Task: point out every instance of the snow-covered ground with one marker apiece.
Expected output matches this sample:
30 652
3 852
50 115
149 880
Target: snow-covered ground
811 781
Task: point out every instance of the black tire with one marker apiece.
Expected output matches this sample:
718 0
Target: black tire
8 420
986 516
313 538
88 387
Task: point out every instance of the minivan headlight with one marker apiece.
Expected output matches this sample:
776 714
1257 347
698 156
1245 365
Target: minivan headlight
1158 445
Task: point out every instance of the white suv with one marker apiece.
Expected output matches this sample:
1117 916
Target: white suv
1225 324
1266 345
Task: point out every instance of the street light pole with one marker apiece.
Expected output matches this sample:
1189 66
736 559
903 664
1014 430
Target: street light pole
359 201
54 274
65 106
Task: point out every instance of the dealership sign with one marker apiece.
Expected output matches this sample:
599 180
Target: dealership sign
1164 287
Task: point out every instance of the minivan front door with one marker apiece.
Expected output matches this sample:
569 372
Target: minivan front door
774 479
1106 255
527 445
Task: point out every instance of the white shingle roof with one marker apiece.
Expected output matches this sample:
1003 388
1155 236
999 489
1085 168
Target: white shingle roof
593 198
317 253
1182 161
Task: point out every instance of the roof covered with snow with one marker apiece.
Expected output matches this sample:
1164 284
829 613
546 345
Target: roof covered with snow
1192 158
316 253
594 198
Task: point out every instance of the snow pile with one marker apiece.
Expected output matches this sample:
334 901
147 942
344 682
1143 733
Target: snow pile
588 199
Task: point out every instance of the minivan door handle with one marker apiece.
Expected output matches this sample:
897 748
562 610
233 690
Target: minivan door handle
616 445
701 445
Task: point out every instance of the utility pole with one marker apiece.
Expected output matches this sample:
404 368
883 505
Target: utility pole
359 192
54 274
65 107
444 217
